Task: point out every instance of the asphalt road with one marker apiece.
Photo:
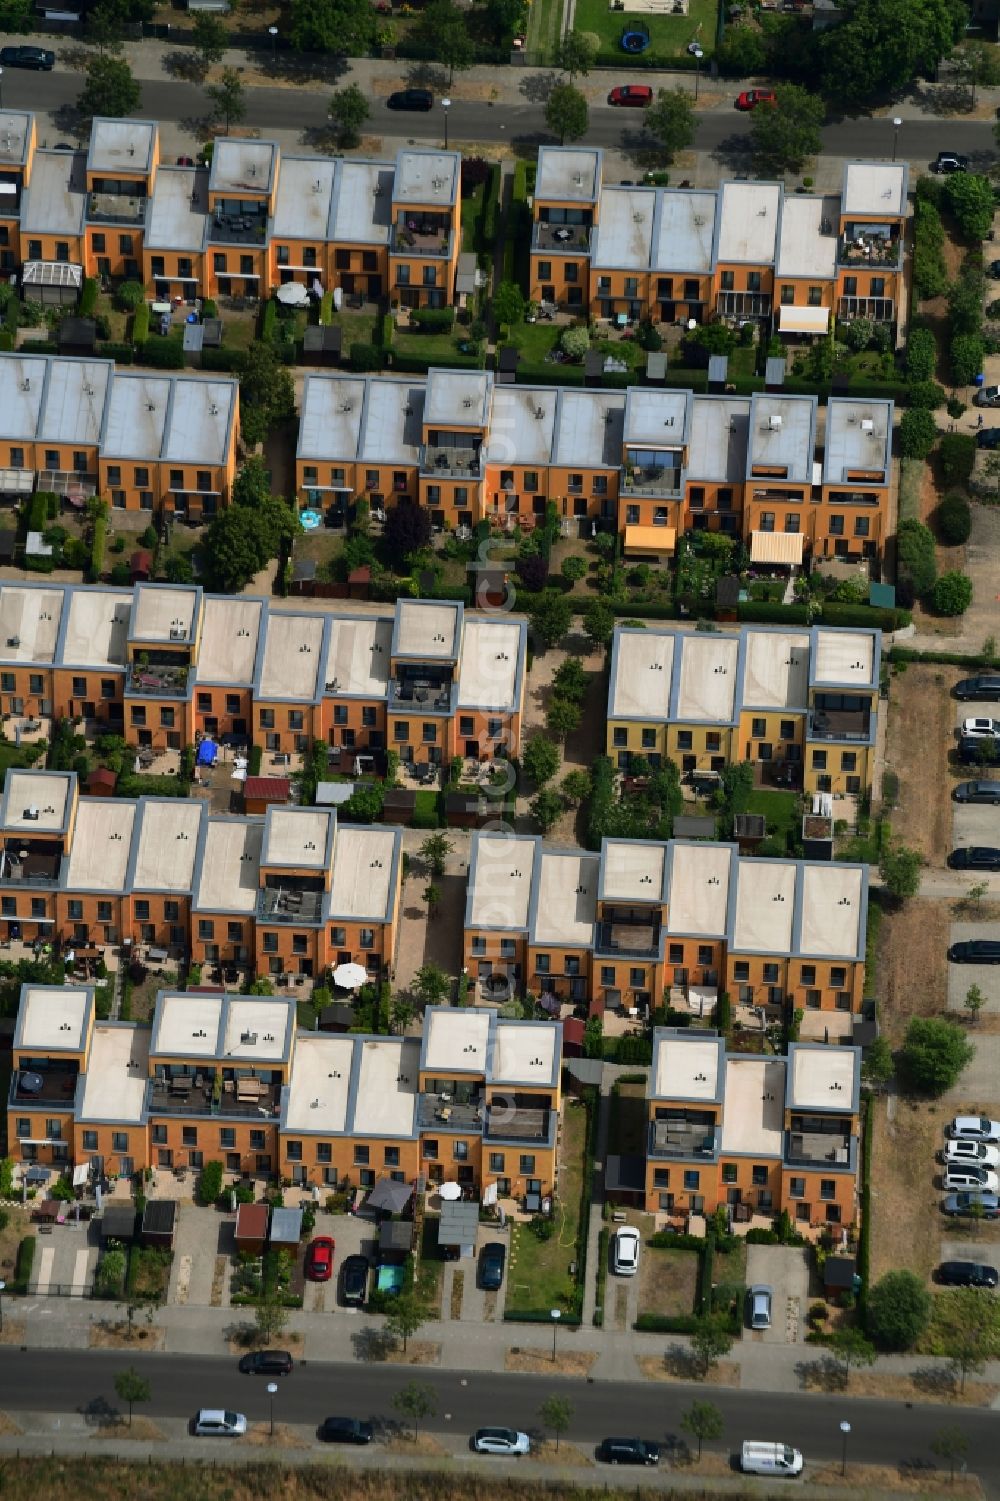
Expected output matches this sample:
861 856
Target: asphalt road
721 131
882 1432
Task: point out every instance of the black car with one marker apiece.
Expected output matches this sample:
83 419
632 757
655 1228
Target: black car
985 685
419 99
967 1274
975 857
39 58
950 161
979 750
977 792
628 1451
346 1431
267 1363
988 437
354 1281
994 269
492 1259
975 951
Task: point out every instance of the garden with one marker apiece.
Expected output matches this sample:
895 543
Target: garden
669 35
548 1253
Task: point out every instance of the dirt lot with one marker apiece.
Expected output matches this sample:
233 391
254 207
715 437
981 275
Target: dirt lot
903 1192
667 1281
912 972
921 735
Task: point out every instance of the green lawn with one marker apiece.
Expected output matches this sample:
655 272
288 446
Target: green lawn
544 18
436 349
781 812
669 34
13 755
539 1277
472 208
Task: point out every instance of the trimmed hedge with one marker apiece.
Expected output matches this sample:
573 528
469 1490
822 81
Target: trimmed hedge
39 346
25 1261
864 617
944 658
164 354
433 320
122 354
762 609
88 297
232 361
665 1240
269 321
657 1323
140 324
865 1239
254 760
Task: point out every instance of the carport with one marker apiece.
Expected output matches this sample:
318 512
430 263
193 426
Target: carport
395 1238
159 1221
118 1222
286 1228
459 1226
389 1197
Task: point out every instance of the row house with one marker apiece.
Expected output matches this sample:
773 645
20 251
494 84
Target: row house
475 1100
651 922
750 1135
747 251
800 705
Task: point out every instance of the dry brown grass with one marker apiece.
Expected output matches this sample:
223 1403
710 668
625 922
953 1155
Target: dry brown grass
9 1426
117 1336
14 1332
920 736
903 1187
489 1308
18 1225
244 1340
457 1290
663 1368
540 1363
667 1282
902 1388
417 1352
566 1454
219 1280
424 1443
912 977
285 1437
140 1431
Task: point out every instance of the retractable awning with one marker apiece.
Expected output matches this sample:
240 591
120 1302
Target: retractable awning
804 320
650 539
776 547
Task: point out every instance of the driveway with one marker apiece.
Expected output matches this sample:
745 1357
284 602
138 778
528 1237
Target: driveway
65 1259
351 1235
975 823
962 977
970 1250
785 1269
203 1248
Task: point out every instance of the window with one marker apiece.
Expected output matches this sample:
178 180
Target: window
429 733
258 1141
479 946
649 739
227 1137
460 1151
797 1188
827 1188
575 483
361 1156
619 737
813 1000
270 943
496 1162
159 1136
294 1151
877 287
753 281
685 740
758 728
391 1157
142 912
661 1177
430 1149
324 1151
792 523
401 730
430 276
692 1180
542 964
637 978
861 526
571 965
770 974
705 953
167 719
727 281
838 976
189 1136
544 270
89 1139
819 760
759 1176
713 740
815 296
836 526
767 521
300 943
741 970
787 295
571 272
729 1172
267 719
526 1163
848 760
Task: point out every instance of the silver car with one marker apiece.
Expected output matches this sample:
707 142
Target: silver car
213 1422
759 1306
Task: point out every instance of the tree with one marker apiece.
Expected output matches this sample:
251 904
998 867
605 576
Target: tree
966 354
415 1401
974 1002
270 1315
950 1445
709 1342
703 1420
533 571
252 485
783 135
406 1318
241 541
562 717
742 53
953 518
110 89
598 623
505 19
130 1387
573 569
229 98
348 110
545 808
851 1346
508 303
575 786
566 113
970 199
400 1013
934 1053
407 529
540 759
877 1066
435 851
921 349
899 1307
556 1413
885 44
210 39
267 395
431 984
967 1328
551 614
571 679
442 29
976 64
670 121
952 594
899 869
576 53
209 1182
432 897
105 28
341 26
917 433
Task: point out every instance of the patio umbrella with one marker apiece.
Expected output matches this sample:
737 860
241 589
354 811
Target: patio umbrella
350 976
449 1191
390 1196
293 294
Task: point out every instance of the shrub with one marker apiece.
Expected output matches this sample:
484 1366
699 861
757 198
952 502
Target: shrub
924 393
433 320
573 569
917 433
164 354
952 594
269 320
88 297
129 295
898 1309
575 342
858 334
934 1054
915 557
24 1263
365 356
929 274
956 456
921 354
140 324
210 1182
954 520
966 354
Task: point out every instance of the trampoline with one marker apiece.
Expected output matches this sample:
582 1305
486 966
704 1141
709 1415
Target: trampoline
390 1279
310 520
635 37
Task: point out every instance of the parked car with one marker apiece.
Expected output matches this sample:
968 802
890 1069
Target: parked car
982 1205
185 161
631 95
973 1128
628 1451
966 1274
346 1431
759 1307
977 792
975 857
994 269
965 1150
492 1260
987 396
959 1175
419 99
950 161
984 685
500 1441
39 58
979 750
267 1363
213 1422
750 98
354 1281
319 1259
980 725
988 437
975 951
625 1252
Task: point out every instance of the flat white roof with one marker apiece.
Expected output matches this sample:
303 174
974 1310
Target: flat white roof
844 656
160 611
362 872
227 882
15 131
56 201
488 664
832 903
718 433
361 212
228 647
633 871
644 664
567 174
686 1068
122 147
776 670
177 214
808 242
589 429
782 436
137 417
427 178
22 384
457 398
44 792
624 235
823 1078
117 1074
302 202
858 441
686 231
748 222
257 1028
167 845
187 1026
388 1086
96 628
75 395
706 689
102 840
29 623
242 166
873 188
524 1052
393 426
330 422
501 881
53 1019
699 888
320 1084
655 418
297 837
357 658
201 416
522 423
292 660
754 1112
765 905
426 630
567 898
457 1040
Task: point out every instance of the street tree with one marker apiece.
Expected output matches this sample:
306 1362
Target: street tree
407 1316
430 984
105 28
969 196
967 1326
709 1342
899 1307
209 38
556 1413
702 1420
975 895
550 615
109 89
348 110
270 1315
229 98
899 869
976 64
670 121
933 1055
435 851
130 1387
577 53
545 808
540 759
566 113
443 30
974 1002
784 134
562 717
852 1348
949 1444
415 1401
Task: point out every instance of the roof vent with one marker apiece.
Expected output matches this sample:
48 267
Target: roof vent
31 815
774 423
213 410
867 426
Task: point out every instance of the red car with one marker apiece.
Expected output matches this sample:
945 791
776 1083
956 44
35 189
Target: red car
750 98
637 95
319 1259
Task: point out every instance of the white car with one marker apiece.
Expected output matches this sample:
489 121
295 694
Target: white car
973 1128
981 727
501 1441
978 1152
959 1176
625 1252
213 1422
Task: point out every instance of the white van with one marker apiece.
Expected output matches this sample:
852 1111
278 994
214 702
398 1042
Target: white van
770 1459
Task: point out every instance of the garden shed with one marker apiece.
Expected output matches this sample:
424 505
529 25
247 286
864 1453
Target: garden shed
118 1222
159 1221
251 1227
459 1226
286 1228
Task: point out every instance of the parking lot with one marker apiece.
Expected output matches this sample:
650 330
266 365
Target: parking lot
961 977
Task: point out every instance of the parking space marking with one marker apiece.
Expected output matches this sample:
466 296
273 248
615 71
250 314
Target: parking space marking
45 1269
81 1271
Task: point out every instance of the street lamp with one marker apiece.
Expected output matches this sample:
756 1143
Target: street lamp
556 1315
697 53
446 106
272 1390
1 76
272 32
896 123
2 1286
845 1429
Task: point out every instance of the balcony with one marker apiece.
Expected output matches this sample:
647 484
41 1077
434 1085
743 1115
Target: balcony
439 459
156 682
835 1148
839 724
116 208
421 236
289 904
427 694
654 479
629 940
869 250
184 1095
30 865
565 237
435 1112
49 1086
517 1123
677 1136
242 224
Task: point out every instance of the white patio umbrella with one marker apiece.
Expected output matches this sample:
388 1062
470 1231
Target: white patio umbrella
449 1191
293 294
350 976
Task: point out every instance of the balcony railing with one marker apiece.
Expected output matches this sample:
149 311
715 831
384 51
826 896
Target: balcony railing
157 682
417 693
509 1123
419 237
279 904
163 1098
869 251
627 941
237 229
435 1113
445 460
565 237
114 208
26 868
665 480
30 1087
681 1138
839 724
821 1149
